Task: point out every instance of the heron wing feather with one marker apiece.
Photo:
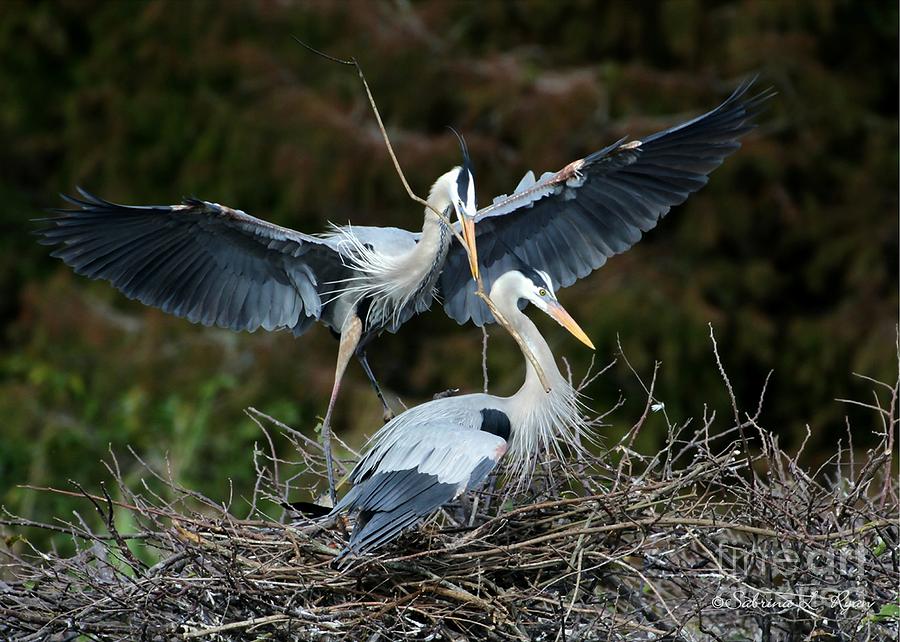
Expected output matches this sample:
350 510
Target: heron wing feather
413 473
570 222
206 262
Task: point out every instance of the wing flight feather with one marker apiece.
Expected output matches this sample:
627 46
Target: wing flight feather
568 223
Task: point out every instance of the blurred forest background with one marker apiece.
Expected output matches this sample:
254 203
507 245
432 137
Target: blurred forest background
790 251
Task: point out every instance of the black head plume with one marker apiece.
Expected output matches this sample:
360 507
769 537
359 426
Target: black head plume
467 161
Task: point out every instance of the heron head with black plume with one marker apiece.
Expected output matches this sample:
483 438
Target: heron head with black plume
462 197
537 288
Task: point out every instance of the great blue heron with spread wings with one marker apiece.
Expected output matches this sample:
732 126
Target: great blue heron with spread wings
218 266
432 453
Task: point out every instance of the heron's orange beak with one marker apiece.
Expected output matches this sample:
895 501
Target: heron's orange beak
564 319
468 232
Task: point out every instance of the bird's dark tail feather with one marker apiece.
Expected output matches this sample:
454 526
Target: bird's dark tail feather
307 509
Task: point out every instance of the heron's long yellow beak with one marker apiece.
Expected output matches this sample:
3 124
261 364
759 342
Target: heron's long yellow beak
564 319
468 231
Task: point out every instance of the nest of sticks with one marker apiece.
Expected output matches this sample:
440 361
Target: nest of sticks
720 535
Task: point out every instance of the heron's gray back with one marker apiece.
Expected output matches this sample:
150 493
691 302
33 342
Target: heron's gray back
420 465
385 240
419 436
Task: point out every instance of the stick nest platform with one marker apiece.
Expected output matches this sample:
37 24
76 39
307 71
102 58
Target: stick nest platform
720 535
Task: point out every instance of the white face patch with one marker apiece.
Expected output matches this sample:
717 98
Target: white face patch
470 196
547 281
539 302
463 202
454 189
539 293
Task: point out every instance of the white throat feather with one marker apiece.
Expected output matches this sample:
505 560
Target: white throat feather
393 280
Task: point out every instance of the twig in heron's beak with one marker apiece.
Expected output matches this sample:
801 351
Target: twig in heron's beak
470 250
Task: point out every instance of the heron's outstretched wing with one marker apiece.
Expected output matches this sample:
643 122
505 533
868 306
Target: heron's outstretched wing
202 261
407 479
569 222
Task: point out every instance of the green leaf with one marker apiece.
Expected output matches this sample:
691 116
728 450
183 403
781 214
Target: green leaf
887 612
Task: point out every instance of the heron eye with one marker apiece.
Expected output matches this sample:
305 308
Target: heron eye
542 292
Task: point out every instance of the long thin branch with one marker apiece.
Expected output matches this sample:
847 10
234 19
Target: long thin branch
233 626
484 365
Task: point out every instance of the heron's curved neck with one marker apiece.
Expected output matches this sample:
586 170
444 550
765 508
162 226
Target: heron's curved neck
427 257
540 420
400 282
438 200
532 388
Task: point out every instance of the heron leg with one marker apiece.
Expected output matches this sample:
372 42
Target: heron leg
350 333
364 361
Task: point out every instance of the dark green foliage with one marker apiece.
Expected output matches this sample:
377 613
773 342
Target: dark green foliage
791 250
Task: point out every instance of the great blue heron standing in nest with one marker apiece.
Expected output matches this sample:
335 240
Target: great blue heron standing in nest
432 453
